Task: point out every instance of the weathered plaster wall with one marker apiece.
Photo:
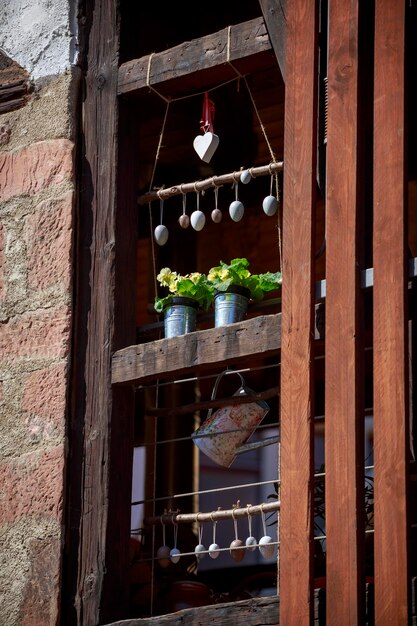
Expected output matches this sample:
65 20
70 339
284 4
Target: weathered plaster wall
37 203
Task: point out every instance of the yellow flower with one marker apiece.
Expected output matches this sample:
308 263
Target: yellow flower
194 277
172 286
166 276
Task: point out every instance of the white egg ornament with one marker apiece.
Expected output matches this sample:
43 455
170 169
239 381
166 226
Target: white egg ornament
161 235
245 177
198 219
175 555
163 556
199 551
214 550
236 210
270 205
251 544
266 547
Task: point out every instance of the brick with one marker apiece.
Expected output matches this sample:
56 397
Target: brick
41 334
45 393
32 485
48 234
29 170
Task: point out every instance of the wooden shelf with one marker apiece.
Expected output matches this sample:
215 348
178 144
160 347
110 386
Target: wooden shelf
258 337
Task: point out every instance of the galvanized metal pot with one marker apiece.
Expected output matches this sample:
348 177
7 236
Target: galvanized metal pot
230 306
180 317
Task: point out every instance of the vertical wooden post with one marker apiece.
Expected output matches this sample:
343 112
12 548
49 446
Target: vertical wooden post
344 411
297 381
101 422
391 436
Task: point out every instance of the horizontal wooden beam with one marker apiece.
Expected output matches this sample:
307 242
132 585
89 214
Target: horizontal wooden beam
216 347
229 49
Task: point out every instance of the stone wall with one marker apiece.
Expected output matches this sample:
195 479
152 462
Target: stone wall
37 208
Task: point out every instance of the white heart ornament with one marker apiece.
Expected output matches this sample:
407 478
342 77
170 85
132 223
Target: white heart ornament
206 145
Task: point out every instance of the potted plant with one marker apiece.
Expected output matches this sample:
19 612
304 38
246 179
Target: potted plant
234 286
186 294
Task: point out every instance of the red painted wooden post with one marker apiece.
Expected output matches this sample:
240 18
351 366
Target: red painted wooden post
391 436
296 551
344 411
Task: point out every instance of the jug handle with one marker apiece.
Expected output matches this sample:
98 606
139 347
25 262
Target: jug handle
216 384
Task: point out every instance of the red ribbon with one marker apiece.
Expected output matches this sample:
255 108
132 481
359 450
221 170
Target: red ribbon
206 123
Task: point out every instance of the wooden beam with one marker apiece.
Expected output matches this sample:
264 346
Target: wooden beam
391 430
275 20
101 437
193 61
297 375
344 422
216 347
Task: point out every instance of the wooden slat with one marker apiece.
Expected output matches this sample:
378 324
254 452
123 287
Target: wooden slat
391 437
193 60
344 423
216 347
274 16
296 524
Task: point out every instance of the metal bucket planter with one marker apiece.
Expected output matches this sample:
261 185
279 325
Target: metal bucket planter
180 317
230 306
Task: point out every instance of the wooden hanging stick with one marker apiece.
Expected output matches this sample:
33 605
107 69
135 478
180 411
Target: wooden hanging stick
213 181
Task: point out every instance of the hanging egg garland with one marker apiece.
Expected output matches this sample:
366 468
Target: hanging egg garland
236 208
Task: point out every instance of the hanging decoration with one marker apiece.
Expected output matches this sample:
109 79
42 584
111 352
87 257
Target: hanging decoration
200 549
270 203
161 231
163 552
214 548
205 145
198 219
216 214
236 209
266 545
245 177
175 554
237 550
250 542
184 220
